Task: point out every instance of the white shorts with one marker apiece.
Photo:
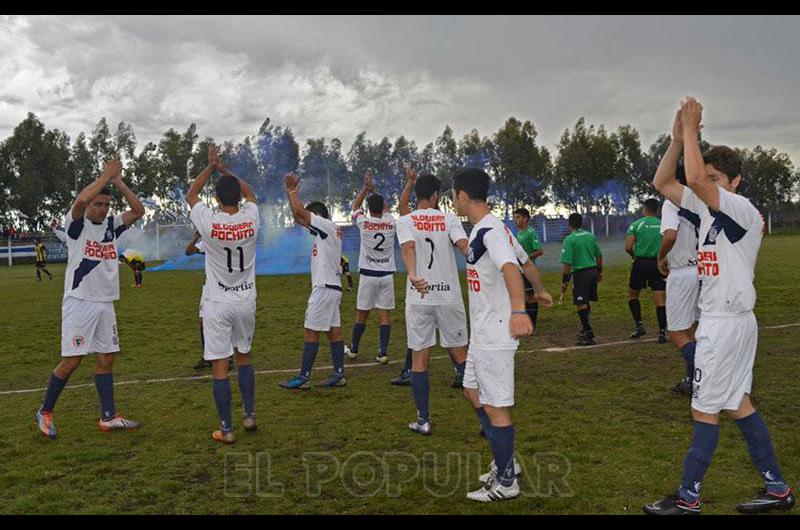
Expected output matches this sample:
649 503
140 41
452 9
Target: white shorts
375 292
228 325
322 313
683 288
422 321
723 361
491 373
88 327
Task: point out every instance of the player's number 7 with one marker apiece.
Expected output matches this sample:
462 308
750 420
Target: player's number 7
230 259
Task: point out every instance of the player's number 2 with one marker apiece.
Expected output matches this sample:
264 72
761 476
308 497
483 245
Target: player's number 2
230 259
378 247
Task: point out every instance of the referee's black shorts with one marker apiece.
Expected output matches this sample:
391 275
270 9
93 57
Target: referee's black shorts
584 286
645 273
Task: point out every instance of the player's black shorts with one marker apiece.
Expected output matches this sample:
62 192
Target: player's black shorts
584 286
528 286
40 264
645 273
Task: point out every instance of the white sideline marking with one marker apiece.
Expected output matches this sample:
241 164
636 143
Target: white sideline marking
359 365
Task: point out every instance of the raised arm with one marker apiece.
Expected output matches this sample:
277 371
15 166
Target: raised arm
111 168
291 183
665 182
368 188
193 196
405 196
696 177
136 210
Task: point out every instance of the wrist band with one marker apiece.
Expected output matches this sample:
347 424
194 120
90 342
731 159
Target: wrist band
519 312
599 270
565 277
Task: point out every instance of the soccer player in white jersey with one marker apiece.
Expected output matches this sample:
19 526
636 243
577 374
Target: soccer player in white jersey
375 268
426 237
229 306
677 260
91 284
730 235
498 319
322 313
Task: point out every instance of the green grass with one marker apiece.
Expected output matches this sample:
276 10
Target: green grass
607 412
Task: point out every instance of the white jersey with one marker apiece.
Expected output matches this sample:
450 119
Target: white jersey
60 234
433 232
92 261
491 245
376 254
326 255
729 241
687 224
229 242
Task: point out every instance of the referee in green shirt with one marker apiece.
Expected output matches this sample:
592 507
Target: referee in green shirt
583 262
529 240
642 243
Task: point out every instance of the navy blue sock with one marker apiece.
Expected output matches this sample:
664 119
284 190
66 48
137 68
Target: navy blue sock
704 443
583 314
358 331
420 385
460 368
337 352
385 331
222 397
247 386
310 350
54 388
503 448
762 453
688 355
409 359
483 419
105 389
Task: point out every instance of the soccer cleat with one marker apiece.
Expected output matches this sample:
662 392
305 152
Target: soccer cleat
334 380
639 332
672 505
297 381
587 340
44 420
223 437
662 337
250 423
404 379
382 358
350 353
765 501
492 474
421 428
494 491
117 423
683 388
202 364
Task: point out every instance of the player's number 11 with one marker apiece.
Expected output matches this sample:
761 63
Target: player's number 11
230 259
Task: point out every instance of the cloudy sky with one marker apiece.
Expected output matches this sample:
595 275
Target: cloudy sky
336 76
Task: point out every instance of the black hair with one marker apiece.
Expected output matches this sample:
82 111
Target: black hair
375 204
576 220
652 205
228 190
426 186
474 182
318 208
523 212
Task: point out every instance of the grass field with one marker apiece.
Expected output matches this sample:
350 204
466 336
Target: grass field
597 430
